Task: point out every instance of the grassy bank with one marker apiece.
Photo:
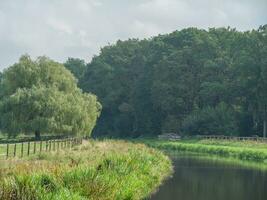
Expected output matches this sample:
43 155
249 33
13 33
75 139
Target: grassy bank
95 170
243 150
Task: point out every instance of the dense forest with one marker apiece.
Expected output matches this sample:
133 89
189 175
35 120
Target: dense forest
190 82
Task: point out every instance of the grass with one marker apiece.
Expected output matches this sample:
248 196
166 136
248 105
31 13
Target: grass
23 152
243 150
3 149
100 170
23 149
235 143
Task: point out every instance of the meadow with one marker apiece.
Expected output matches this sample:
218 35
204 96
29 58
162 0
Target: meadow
243 150
94 170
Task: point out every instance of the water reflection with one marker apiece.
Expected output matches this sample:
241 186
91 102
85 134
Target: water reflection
196 178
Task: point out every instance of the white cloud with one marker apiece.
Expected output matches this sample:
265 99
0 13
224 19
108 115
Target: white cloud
58 25
64 28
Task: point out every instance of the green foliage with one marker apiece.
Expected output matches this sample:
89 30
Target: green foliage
42 72
153 86
76 66
99 170
42 97
220 120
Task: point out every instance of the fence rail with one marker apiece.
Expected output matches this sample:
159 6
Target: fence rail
223 137
22 149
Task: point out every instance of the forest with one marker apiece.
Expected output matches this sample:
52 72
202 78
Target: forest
190 82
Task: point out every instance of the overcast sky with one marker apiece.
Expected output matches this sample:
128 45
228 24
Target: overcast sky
79 28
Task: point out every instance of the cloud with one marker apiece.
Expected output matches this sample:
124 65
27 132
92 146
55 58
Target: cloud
59 26
67 28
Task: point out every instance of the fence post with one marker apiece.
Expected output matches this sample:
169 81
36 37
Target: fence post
15 149
54 145
7 150
29 146
34 147
46 145
58 145
41 146
21 149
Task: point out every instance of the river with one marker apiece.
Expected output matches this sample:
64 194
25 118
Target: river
200 178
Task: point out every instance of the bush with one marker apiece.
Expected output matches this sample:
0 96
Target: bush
220 120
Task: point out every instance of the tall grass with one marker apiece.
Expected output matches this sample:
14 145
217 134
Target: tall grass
107 170
237 150
2 151
234 143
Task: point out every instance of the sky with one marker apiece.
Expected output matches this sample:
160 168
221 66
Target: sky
79 28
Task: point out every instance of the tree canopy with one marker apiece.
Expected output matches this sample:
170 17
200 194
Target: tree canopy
42 97
191 81
76 66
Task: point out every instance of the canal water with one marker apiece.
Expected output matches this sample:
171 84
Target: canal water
201 178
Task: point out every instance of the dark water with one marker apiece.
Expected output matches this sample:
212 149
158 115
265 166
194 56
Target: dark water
198 178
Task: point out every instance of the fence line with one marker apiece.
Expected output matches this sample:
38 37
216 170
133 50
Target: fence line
223 137
22 149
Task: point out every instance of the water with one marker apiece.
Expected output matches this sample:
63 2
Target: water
198 178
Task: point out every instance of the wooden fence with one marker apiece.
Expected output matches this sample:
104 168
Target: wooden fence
223 137
23 149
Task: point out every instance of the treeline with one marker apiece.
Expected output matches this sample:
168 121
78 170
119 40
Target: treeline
190 82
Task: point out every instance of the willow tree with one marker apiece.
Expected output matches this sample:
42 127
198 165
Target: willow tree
42 97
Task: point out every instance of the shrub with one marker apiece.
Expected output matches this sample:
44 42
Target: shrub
210 121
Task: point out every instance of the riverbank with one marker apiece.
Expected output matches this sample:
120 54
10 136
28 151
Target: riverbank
206 177
243 150
95 170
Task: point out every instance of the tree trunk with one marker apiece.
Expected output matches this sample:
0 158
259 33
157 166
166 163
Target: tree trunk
37 135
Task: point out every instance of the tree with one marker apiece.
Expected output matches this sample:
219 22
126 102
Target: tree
153 85
76 66
220 120
263 76
252 66
42 72
42 97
